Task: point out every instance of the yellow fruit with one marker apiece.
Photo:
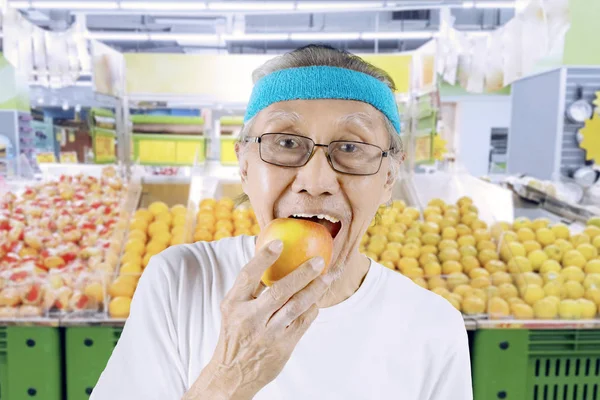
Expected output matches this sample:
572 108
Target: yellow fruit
179 220
208 203
580 238
449 254
468 251
592 267
521 222
394 246
500 277
469 263
588 308
588 251
407 263
373 247
134 258
447 244
540 223
515 300
572 274
549 266
468 218
135 246
388 264
574 290
411 250
95 290
427 258
413 273
461 290
177 231
122 287
553 276
165 217
519 265
545 309
466 240
463 230
450 267
372 256
525 234
158 207
477 273
531 245
528 278
487 255
399 205
390 255
455 279
162 237
495 266
553 252
537 258
222 234
427 249
486 245
432 269
532 293
178 209
449 233
498 308
137 234
569 309
473 305
139 225
395 237
564 245
481 282
545 236
119 307
596 242
437 282
226 203
593 294
561 231
592 231
512 249
155 247
521 311
554 299
203 236
431 239
144 214
573 258
591 281
482 234
430 227
507 291
555 288
421 282
157 227
146 259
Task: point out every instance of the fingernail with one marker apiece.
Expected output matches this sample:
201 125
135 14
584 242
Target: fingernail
276 246
318 264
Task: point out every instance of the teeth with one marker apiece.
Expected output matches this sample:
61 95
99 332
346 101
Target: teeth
320 216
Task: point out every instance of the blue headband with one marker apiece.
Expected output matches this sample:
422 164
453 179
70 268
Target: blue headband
323 82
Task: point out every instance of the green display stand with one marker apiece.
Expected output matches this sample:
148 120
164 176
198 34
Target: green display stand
87 350
536 364
30 363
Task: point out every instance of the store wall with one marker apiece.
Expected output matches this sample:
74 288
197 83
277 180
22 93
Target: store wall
476 115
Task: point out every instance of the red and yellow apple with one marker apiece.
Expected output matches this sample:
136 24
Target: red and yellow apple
302 240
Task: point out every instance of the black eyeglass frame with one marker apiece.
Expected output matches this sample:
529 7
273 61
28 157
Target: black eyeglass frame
258 139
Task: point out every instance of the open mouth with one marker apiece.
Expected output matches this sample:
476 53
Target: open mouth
332 224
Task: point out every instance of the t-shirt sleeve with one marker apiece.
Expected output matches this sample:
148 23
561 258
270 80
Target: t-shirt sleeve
454 380
145 363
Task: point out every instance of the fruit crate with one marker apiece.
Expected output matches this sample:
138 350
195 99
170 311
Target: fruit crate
528 364
30 363
87 350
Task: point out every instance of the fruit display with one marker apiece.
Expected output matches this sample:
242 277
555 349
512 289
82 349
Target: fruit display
218 219
151 231
59 240
302 240
521 270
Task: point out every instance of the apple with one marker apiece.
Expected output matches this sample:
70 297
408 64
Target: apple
32 295
302 240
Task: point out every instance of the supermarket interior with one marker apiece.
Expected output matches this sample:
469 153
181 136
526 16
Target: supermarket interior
118 129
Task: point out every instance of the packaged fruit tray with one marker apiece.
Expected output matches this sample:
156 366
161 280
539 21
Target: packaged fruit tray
502 271
59 241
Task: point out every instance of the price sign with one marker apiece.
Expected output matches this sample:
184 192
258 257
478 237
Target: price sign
45 157
104 148
68 157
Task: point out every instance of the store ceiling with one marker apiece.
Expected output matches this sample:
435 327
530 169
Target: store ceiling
264 27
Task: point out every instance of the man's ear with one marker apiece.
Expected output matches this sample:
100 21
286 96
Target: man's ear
242 162
388 188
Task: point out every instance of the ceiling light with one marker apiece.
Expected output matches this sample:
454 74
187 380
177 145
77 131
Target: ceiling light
328 5
19 4
163 6
242 5
75 5
325 36
257 37
496 4
468 4
119 36
183 37
397 35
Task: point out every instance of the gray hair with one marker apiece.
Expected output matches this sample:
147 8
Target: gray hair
317 55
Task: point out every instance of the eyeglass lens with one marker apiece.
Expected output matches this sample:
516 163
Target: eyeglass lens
346 156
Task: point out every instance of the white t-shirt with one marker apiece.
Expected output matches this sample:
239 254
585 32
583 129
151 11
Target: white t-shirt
391 339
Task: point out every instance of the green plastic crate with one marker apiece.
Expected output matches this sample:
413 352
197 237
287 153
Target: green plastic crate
526 364
87 352
30 363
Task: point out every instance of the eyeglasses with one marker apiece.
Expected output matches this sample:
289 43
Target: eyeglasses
344 156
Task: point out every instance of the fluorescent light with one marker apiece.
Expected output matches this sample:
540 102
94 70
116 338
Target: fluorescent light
19 4
119 36
496 4
183 37
468 4
75 5
397 35
163 6
242 5
327 5
325 36
257 37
